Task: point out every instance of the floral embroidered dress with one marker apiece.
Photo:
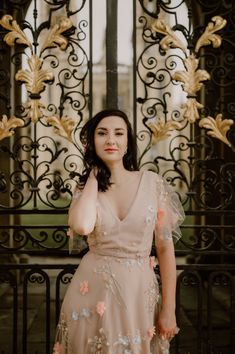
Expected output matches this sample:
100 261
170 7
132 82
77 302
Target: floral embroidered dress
112 301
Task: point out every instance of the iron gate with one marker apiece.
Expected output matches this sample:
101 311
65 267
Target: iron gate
170 65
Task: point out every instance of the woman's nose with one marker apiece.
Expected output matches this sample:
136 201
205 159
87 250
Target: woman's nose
110 139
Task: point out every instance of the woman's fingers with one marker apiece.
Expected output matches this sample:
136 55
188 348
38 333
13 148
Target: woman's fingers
93 172
168 334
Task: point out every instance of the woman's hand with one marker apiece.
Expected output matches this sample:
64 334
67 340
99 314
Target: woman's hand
167 327
93 173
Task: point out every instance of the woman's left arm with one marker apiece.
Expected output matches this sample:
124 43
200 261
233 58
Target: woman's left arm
167 265
170 215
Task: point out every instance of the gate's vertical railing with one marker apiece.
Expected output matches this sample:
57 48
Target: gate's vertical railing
111 55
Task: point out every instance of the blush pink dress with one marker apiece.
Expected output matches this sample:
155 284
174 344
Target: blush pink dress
112 302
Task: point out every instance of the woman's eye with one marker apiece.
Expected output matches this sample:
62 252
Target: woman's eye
119 133
101 133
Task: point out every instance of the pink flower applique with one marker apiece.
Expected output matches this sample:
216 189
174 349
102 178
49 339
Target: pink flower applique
84 288
152 262
70 233
57 349
151 332
160 216
100 308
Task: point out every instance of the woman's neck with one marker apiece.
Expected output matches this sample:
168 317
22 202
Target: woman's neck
118 174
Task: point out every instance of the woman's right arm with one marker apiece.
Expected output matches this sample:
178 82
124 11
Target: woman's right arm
82 211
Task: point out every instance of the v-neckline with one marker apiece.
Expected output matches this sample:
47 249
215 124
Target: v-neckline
131 206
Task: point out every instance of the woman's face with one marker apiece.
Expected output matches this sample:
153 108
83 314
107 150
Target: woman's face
110 139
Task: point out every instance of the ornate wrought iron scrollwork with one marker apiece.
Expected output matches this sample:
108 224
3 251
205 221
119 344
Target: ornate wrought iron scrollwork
33 154
192 77
207 239
36 277
65 276
26 238
221 279
47 186
190 279
35 78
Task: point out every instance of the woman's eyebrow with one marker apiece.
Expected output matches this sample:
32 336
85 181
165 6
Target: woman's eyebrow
103 128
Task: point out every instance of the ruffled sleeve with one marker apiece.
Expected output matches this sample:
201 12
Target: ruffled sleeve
170 213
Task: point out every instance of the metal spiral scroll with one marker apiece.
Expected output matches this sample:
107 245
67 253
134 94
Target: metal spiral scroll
33 155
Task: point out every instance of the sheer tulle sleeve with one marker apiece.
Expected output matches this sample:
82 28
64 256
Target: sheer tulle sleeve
170 213
77 243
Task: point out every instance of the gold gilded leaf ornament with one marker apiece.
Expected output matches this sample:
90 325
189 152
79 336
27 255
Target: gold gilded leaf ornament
36 78
191 108
7 126
34 111
170 40
35 81
209 37
62 126
15 35
217 127
191 82
55 37
161 129
191 78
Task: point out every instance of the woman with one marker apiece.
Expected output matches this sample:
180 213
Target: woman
112 305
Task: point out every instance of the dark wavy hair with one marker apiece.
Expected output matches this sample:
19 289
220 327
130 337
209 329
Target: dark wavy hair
90 158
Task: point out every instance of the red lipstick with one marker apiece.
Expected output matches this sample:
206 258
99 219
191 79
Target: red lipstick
110 149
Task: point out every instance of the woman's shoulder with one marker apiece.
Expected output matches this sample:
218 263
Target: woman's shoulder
156 181
153 175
